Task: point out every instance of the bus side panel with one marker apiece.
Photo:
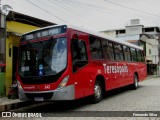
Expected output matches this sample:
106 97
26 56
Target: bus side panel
139 68
132 67
142 71
121 77
111 81
102 67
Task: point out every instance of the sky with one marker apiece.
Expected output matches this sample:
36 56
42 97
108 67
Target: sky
97 15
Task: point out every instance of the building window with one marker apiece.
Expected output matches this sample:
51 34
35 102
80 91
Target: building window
122 31
149 29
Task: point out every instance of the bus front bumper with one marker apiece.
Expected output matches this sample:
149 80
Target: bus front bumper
66 93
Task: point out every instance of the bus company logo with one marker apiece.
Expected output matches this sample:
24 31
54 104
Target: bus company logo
29 87
6 114
115 69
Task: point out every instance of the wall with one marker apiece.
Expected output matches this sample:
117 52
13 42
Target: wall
154 50
110 33
8 64
133 30
149 55
19 27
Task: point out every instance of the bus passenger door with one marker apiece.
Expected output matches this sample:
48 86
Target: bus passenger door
81 72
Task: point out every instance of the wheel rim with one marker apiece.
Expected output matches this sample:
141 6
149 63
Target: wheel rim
97 91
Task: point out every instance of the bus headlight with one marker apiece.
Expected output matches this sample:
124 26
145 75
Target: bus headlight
19 86
64 82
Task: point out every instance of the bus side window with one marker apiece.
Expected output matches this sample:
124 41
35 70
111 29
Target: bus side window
107 50
110 51
79 54
133 54
142 54
118 50
139 56
127 54
95 48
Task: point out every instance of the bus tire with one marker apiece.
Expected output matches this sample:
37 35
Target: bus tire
97 97
135 84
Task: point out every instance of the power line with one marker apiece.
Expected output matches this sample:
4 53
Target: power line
45 10
63 5
79 9
88 5
73 10
131 8
51 6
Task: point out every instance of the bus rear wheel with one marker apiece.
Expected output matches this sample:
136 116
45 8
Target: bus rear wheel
135 84
97 97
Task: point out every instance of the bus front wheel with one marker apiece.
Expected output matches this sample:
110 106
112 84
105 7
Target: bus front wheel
97 97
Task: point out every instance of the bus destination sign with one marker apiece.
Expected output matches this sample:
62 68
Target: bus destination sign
45 32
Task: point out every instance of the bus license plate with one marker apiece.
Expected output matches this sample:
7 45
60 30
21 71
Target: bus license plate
38 99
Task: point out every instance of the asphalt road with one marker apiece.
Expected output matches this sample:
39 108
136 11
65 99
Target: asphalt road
145 98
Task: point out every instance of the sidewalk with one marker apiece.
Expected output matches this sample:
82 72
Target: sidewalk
9 104
152 76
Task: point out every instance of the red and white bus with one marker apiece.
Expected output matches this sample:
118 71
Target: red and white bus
66 63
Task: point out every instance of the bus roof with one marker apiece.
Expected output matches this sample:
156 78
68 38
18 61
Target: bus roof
104 36
93 33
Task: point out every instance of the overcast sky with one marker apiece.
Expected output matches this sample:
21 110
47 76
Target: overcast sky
97 15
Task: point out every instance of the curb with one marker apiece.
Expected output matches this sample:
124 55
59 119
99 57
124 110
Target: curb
17 105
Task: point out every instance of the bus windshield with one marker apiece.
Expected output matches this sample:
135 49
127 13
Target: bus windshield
43 58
